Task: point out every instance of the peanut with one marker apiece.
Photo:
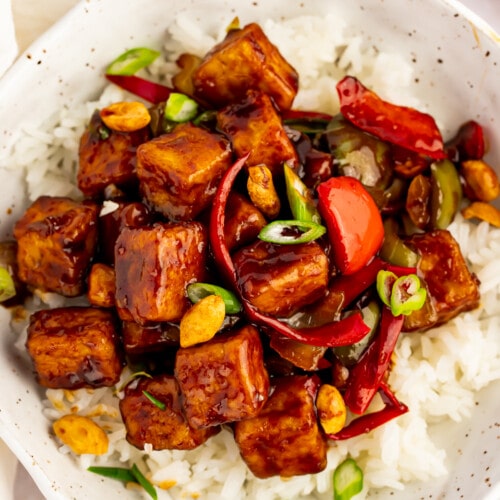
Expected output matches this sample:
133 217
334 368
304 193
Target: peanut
125 116
483 211
481 181
262 192
332 411
81 434
202 321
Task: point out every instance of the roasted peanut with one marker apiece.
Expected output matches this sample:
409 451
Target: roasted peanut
125 116
483 211
81 434
262 192
202 321
481 180
331 409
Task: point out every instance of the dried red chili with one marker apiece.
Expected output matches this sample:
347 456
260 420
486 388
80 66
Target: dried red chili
366 423
147 90
366 376
400 125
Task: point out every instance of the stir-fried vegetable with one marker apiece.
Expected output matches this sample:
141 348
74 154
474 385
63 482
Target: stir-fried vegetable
7 287
291 232
347 480
131 61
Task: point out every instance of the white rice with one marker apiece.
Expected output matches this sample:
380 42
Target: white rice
436 374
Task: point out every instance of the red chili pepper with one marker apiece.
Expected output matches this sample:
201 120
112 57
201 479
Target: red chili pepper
347 331
467 144
297 114
150 91
354 222
366 423
366 376
403 126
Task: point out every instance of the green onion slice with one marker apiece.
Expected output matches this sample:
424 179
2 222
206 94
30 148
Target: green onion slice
291 232
131 61
403 295
7 287
197 291
141 479
347 480
180 108
118 473
160 404
299 198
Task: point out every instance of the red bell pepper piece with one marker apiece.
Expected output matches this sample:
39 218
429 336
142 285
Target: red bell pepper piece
147 90
344 332
366 423
400 125
354 222
366 376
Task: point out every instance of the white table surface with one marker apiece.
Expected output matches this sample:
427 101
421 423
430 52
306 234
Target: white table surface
31 19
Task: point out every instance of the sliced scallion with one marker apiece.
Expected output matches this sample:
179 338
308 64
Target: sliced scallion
131 61
118 473
180 108
141 479
198 291
347 480
291 232
299 198
7 287
159 404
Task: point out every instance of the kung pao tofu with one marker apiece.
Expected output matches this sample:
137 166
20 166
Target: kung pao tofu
251 263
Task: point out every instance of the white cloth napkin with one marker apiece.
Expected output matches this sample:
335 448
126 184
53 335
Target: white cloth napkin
8 43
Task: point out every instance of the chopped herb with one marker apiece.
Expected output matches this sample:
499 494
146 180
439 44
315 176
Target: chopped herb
198 291
155 401
118 473
291 232
131 61
141 479
347 480
7 287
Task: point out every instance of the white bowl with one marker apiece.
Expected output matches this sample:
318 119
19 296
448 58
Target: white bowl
456 58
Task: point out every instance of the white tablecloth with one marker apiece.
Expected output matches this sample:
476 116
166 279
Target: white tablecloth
26 20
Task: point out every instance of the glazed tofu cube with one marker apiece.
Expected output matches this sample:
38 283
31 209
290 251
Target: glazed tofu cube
113 217
75 347
179 171
245 59
56 238
284 439
153 266
101 286
140 339
279 280
107 157
223 380
164 428
243 221
452 287
253 125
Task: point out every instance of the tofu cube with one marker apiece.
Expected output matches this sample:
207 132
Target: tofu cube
164 428
245 59
452 288
101 285
179 171
107 157
113 217
279 280
284 439
57 239
223 380
75 347
153 266
243 221
253 125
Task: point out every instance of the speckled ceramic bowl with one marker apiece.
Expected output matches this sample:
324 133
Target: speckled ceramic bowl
456 59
